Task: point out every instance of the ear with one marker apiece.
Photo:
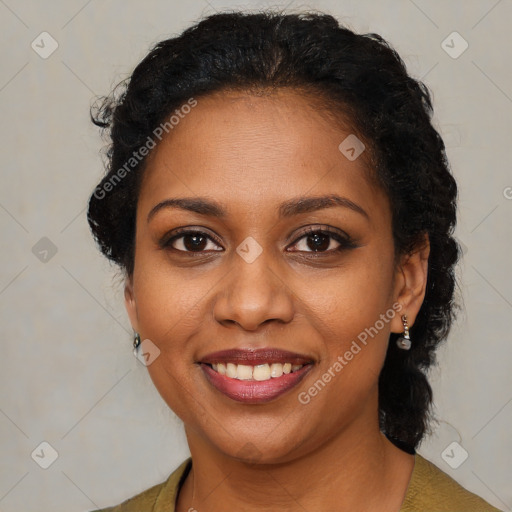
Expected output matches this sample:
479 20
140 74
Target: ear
130 303
411 284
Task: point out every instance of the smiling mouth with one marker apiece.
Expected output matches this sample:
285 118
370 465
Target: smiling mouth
245 386
255 376
259 373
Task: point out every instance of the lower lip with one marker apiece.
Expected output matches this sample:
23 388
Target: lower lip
253 391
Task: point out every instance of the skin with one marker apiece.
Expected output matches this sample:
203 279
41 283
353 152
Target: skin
250 153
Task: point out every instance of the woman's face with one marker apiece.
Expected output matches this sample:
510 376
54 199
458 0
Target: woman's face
257 278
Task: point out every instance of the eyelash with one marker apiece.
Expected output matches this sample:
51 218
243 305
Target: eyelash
345 241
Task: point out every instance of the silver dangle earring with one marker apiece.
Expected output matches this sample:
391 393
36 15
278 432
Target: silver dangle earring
136 343
404 341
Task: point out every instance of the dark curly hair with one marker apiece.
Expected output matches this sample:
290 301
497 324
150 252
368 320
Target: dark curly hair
358 77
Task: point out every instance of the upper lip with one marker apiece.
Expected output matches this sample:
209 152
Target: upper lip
253 357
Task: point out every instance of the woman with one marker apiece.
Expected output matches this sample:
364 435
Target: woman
283 211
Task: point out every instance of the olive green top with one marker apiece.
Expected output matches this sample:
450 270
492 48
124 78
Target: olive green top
429 490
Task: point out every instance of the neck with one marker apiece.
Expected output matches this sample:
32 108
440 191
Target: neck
357 470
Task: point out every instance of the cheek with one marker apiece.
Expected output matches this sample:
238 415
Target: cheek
344 302
174 302
348 309
169 314
169 300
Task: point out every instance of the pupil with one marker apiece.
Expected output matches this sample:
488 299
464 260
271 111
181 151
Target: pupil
319 241
197 244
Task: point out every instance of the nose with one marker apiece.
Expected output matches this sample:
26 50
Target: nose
252 295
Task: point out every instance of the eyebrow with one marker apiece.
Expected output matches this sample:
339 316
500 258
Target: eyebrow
289 208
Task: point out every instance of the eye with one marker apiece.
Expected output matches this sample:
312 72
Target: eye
323 241
313 240
187 240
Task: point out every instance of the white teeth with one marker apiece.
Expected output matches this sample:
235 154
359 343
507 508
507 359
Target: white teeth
276 370
244 372
259 372
231 370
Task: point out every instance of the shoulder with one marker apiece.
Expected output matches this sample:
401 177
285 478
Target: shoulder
430 488
159 498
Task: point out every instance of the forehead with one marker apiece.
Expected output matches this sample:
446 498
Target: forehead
251 152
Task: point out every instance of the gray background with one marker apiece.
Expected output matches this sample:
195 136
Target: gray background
68 376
